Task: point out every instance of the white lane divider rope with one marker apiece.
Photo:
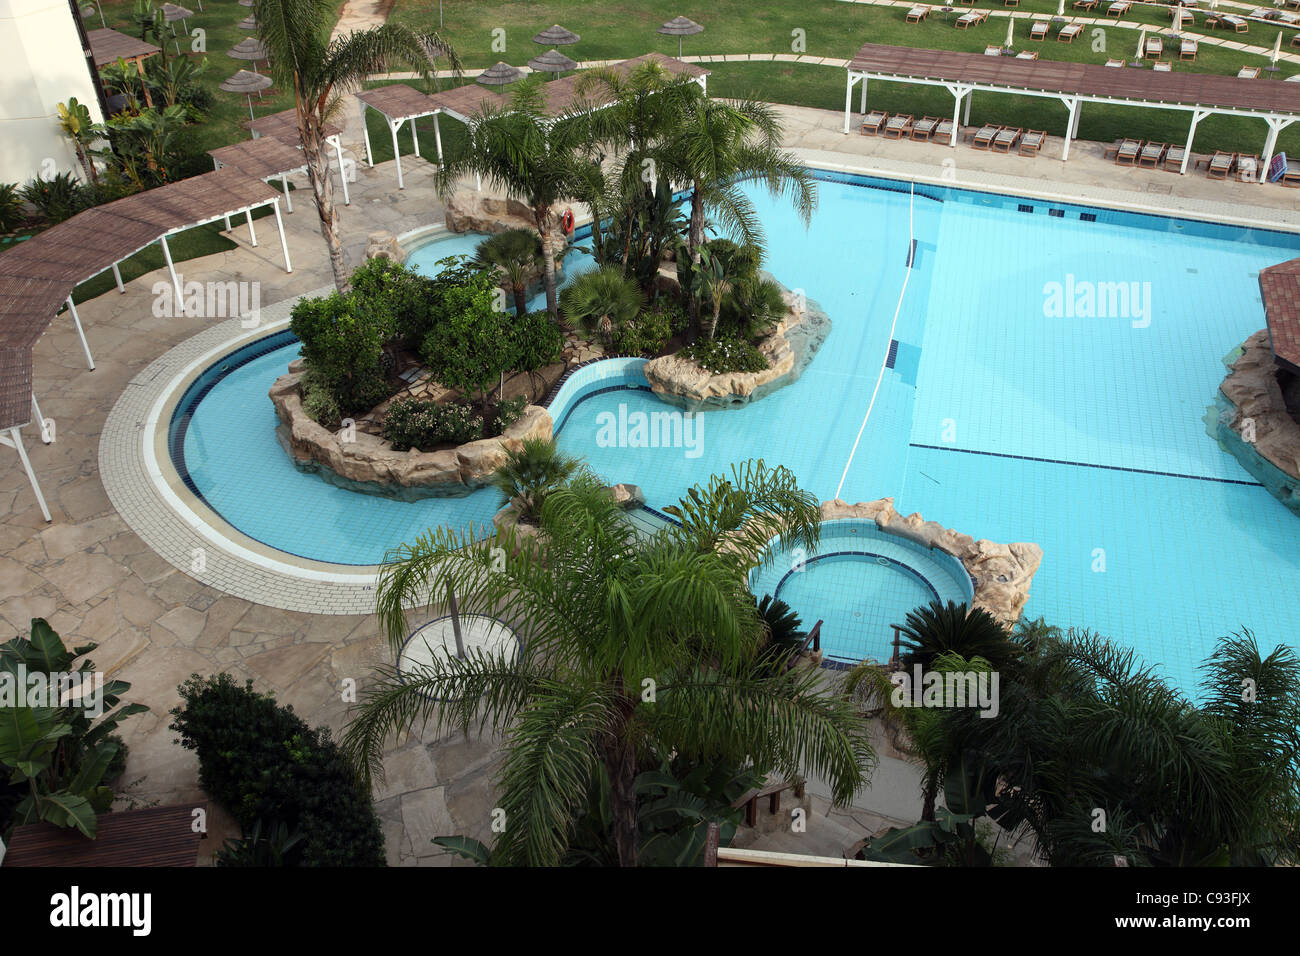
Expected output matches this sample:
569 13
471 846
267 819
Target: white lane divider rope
911 258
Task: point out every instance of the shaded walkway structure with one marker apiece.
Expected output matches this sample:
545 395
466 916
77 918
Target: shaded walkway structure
961 74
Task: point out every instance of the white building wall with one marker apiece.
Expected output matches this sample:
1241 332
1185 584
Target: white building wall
41 65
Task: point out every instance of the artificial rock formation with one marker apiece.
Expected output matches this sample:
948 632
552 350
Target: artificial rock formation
384 245
1255 426
1001 573
789 348
369 463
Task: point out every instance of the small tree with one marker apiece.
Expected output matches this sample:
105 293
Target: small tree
77 124
469 345
517 254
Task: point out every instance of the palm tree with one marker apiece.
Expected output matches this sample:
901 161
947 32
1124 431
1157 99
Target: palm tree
532 472
633 650
516 254
531 155
303 58
939 628
602 301
718 147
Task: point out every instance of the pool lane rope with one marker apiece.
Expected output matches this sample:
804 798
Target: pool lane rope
884 362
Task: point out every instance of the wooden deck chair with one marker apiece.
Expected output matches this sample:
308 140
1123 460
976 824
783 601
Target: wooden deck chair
917 14
1219 165
1151 155
899 126
1249 168
1155 46
944 133
1248 73
1085 4
1007 139
1174 159
1290 176
1069 32
873 121
1038 30
983 138
1027 55
1127 152
992 50
1186 49
923 128
1182 15
1115 63
1118 8
1032 142
1161 67
1295 40
1236 23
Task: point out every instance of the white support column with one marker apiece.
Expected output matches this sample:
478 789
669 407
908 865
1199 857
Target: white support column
228 226
478 181
343 173
958 91
970 95
1197 116
437 137
1275 125
279 224
39 421
397 156
15 440
365 131
81 333
117 277
848 100
862 97
288 202
415 136
176 282
1071 124
252 233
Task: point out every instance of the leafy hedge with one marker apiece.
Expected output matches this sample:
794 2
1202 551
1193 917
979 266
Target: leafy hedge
343 344
413 423
650 331
264 763
725 355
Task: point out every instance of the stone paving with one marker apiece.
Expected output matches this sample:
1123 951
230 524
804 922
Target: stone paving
95 579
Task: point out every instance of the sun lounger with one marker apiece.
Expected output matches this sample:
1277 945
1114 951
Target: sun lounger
1007 139
1151 155
1027 55
873 121
1186 49
983 138
1174 158
1085 4
1126 153
1293 4
1154 47
899 126
968 20
1115 63
1182 16
993 51
917 14
1295 40
1159 67
1290 19
1236 23
1248 73
1032 142
924 127
944 133
1290 176
1219 165
1118 8
1011 3
1069 32
1249 168
1038 30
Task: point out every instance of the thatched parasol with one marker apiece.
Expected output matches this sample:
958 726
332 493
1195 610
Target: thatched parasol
499 74
556 36
552 61
248 83
680 27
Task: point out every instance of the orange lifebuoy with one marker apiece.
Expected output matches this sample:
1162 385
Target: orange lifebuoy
566 221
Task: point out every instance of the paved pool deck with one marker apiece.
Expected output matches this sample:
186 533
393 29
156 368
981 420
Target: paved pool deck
95 579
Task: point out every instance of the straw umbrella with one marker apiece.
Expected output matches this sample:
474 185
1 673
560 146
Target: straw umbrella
1011 29
1142 45
556 35
248 49
248 23
1060 8
1277 49
553 62
173 12
499 74
248 83
681 27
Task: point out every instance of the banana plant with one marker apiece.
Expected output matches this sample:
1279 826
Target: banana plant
76 122
59 751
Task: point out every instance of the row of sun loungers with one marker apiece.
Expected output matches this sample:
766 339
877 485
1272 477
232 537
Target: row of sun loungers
938 129
970 18
1228 22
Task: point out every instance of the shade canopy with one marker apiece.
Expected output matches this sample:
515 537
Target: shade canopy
172 13
248 49
248 23
680 27
552 61
499 74
556 35
246 82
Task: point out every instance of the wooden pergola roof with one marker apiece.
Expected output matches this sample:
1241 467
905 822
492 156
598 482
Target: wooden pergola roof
1080 79
261 158
399 102
107 46
1279 287
159 836
284 127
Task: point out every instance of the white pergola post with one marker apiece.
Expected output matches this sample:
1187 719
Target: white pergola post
1197 116
81 333
1275 125
284 181
862 97
171 267
365 130
958 91
397 155
117 277
252 233
15 441
437 137
279 224
478 181
848 100
415 136
1072 103
343 173
970 96
39 420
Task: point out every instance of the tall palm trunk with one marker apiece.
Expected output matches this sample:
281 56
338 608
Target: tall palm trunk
520 292
619 758
694 240
542 217
310 132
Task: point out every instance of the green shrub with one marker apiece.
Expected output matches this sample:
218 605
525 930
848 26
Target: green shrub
601 301
651 330
318 400
413 423
56 199
509 411
538 341
725 355
11 208
469 344
264 763
402 294
343 344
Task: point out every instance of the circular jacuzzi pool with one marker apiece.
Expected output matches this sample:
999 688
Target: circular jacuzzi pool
859 583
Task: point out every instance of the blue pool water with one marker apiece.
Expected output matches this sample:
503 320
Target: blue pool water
1082 433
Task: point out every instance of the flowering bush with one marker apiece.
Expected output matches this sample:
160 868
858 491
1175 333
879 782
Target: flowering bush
412 423
726 355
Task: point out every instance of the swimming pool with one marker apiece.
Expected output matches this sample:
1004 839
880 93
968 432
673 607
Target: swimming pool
1002 414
